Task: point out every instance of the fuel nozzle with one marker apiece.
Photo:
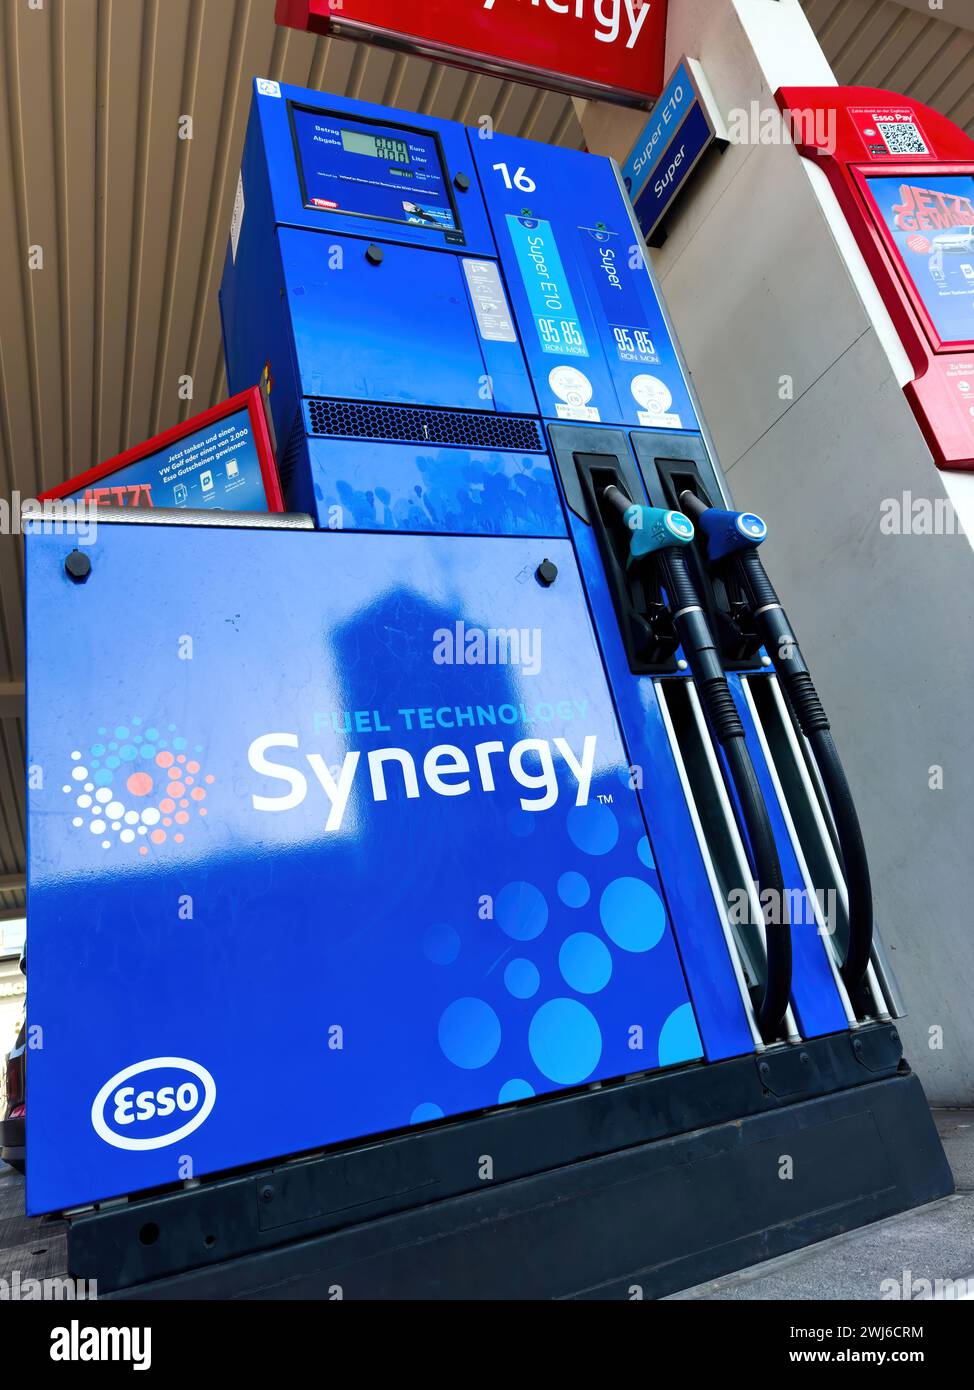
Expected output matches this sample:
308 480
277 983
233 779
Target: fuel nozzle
726 533
651 528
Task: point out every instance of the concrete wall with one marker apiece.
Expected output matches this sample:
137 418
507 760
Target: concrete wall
800 375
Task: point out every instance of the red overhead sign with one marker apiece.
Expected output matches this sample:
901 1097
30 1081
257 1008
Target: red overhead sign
613 49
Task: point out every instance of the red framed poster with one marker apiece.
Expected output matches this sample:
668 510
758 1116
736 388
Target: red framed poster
612 49
903 175
926 219
222 459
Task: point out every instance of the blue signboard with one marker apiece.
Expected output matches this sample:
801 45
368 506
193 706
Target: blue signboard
671 170
640 353
369 859
930 218
674 102
547 285
217 466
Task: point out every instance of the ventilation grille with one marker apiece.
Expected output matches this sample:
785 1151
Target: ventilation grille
291 452
416 425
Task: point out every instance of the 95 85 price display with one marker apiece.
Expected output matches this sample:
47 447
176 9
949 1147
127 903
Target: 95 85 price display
563 336
634 344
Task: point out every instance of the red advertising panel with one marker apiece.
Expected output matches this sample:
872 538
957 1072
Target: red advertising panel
904 176
613 49
221 460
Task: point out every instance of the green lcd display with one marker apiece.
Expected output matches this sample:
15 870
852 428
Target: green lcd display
377 146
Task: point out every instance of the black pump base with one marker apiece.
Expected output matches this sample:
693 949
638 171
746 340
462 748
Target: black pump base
630 1191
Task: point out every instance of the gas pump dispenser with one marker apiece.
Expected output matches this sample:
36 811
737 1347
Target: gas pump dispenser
509 823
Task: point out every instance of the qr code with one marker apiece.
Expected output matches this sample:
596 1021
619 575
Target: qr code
902 137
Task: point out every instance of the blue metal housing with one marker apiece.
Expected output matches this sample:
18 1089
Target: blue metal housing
343 835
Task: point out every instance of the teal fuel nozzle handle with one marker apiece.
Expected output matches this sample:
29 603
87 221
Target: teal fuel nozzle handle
652 528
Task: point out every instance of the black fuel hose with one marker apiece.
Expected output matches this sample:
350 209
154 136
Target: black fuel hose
803 700
778 638
727 730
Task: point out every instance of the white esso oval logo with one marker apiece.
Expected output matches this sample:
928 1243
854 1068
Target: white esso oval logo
153 1103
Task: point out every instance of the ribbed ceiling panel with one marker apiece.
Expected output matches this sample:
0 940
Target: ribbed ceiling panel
917 52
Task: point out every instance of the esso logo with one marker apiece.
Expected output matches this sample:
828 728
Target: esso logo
153 1103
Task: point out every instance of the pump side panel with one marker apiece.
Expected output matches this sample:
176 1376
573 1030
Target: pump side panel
406 487
430 954
401 331
257 339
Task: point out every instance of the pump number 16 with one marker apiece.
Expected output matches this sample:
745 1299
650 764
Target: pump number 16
521 179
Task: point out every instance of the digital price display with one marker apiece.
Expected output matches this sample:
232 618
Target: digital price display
376 146
930 220
364 169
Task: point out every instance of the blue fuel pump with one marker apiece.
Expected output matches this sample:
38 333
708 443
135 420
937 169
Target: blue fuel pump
469 774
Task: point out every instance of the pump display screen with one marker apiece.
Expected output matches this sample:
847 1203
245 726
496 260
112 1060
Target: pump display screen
368 170
930 219
379 147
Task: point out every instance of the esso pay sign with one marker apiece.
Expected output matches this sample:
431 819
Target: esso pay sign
610 48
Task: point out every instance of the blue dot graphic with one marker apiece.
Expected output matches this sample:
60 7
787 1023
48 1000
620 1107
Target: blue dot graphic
152 734
148 750
112 761
103 778
585 963
441 944
679 1040
128 752
521 911
632 914
515 1089
593 828
565 1041
521 823
573 889
469 1033
137 719
645 853
522 978
425 1112
179 743
97 749
121 732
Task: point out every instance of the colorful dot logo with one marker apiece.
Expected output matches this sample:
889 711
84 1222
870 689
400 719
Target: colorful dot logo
138 787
